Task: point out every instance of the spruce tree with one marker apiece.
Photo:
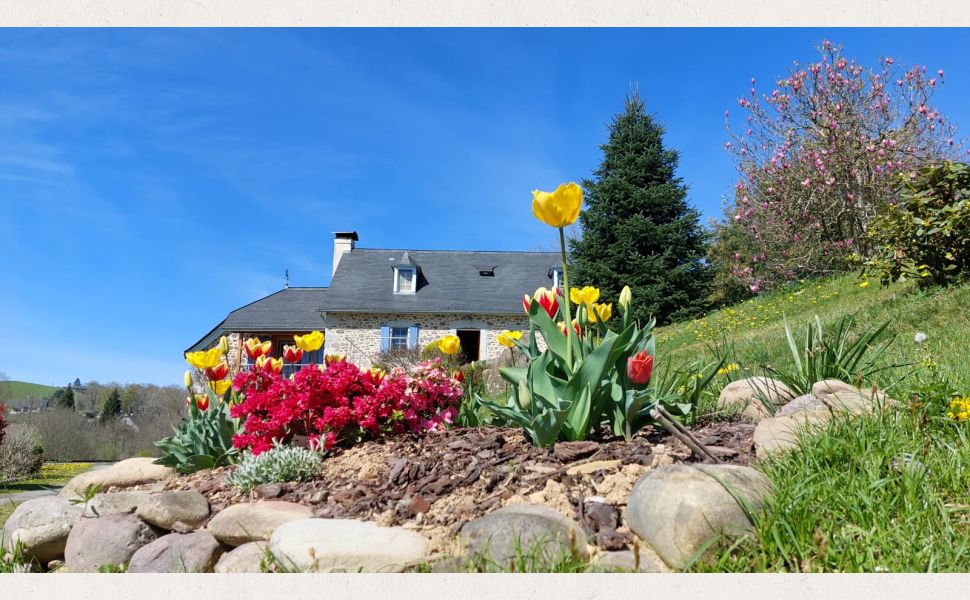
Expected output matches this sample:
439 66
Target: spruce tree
637 228
112 406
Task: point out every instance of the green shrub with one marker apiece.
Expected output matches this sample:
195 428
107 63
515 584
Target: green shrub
925 234
278 465
203 440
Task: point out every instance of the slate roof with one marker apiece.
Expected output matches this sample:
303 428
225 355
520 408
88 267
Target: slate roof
291 309
448 281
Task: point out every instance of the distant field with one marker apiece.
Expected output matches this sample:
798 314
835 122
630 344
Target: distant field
20 390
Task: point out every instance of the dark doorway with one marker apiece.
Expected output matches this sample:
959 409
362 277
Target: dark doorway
470 340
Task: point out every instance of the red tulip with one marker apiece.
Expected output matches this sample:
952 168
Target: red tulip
458 376
639 368
292 354
218 372
201 401
562 328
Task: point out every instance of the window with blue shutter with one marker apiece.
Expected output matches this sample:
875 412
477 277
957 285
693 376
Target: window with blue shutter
385 338
413 336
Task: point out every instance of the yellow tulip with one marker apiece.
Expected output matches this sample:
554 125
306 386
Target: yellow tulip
220 387
601 313
450 344
506 338
187 379
558 208
309 342
586 295
204 359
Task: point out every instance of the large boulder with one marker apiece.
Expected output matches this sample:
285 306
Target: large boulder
195 552
126 473
254 521
108 540
523 528
836 402
41 525
678 509
345 545
164 509
243 559
753 394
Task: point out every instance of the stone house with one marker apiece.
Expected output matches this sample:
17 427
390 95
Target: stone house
383 300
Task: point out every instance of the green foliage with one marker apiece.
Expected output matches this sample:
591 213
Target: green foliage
15 560
203 440
638 228
112 406
63 397
925 234
567 394
684 386
277 465
86 495
839 354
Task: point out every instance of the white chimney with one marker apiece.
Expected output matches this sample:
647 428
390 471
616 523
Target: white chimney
343 242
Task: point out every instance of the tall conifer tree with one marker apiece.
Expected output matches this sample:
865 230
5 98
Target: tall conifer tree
637 227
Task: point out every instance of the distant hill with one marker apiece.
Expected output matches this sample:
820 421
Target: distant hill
20 392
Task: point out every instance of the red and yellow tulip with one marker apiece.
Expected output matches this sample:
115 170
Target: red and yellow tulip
201 401
576 328
256 348
334 358
292 354
547 299
220 371
377 375
269 365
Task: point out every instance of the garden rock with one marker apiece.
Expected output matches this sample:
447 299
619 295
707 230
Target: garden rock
838 402
177 553
165 509
751 394
115 502
42 525
522 526
133 471
778 434
679 508
244 559
623 560
250 522
346 545
108 540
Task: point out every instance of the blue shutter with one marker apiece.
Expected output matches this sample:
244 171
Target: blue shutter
413 336
385 338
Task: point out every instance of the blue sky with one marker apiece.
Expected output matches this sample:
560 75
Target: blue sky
153 180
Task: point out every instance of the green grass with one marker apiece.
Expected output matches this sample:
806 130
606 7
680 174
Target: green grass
6 509
14 391
50 475
888 492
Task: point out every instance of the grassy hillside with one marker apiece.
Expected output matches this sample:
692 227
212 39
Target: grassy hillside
15 391
881 493
752 333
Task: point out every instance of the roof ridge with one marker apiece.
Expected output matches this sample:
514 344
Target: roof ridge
358 248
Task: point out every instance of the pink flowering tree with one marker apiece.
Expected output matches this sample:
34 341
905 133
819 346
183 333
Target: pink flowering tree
819 155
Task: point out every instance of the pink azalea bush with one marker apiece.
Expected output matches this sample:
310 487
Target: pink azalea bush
819 155
341 404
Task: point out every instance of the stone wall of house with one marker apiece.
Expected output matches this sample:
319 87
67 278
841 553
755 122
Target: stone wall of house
358 335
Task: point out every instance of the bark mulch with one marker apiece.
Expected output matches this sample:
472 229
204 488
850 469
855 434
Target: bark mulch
437 482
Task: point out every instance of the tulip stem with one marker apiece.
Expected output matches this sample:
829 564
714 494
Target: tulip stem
565 297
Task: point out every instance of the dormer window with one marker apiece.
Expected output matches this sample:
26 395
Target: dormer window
405 279
556 274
